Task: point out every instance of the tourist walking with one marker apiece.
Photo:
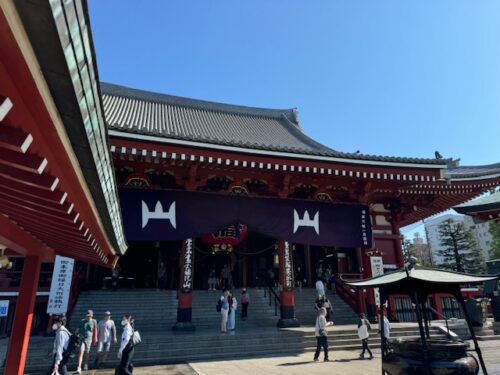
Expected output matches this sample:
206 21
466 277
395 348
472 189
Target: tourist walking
333 282
224 275
211 278
385 331
224 310
320 287
363 334
60 346
319 271
327 274
106 333
299 278
245 300
126 350
88 332
162 276
115 278
233 306
321 333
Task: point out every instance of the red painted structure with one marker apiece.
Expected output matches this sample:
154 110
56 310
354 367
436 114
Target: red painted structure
49 206
399 191
46 203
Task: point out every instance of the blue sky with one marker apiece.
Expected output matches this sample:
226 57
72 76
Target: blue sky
383 77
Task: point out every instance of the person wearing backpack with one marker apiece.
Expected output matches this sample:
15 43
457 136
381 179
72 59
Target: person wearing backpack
88 331
126 351
60 347
363 334
245 300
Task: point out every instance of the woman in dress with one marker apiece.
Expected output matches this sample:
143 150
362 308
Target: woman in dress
232 312
126 351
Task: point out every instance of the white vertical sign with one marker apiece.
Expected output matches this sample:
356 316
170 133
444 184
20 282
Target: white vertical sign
188 265
60 286
288 266
377 265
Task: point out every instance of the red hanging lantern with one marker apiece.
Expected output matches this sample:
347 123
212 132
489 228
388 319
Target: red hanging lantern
229 237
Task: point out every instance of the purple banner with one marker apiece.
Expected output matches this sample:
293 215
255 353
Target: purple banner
175 215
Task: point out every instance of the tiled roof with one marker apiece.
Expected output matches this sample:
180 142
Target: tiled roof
141 112
485 203
473 171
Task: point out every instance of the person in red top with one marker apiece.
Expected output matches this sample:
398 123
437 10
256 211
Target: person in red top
245 300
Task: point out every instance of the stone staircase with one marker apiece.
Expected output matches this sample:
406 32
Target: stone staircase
156 311
305 312
153 310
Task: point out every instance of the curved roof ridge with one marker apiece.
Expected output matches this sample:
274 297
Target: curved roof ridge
138 94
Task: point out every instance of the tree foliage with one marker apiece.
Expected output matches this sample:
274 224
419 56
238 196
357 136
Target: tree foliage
460 250
495 242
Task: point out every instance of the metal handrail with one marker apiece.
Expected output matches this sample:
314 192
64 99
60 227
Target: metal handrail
442 316
269 291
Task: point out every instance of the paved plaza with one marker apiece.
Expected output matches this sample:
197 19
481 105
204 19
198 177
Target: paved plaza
342 362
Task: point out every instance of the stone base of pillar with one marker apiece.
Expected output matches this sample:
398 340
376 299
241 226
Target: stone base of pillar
184 313
183 327
288 318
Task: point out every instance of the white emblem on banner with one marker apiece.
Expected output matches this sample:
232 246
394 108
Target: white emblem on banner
158 213
305 221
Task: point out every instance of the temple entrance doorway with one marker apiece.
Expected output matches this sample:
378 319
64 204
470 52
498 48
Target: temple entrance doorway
141 263
248 262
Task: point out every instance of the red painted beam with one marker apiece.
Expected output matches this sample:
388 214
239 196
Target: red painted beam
15 238
44 180
54 197
64 208
31 113
14 139
26 162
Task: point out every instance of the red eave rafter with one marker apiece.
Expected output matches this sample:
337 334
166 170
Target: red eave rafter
40 187
183 154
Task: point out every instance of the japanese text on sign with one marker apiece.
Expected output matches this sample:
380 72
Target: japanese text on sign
188 265
60 286
288 266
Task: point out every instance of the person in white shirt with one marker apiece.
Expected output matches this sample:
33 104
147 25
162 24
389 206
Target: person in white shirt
386 331
60 345
321 333
106 332
320 287
363 334
126 351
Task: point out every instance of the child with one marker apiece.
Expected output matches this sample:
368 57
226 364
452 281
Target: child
363 334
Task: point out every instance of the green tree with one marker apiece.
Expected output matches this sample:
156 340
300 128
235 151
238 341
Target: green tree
408 249
495 243
460 250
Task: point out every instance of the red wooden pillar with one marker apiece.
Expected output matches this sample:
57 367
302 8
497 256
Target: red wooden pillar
287 298
185 294
23 317
438 305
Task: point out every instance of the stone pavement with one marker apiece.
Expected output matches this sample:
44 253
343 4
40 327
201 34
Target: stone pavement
343 362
